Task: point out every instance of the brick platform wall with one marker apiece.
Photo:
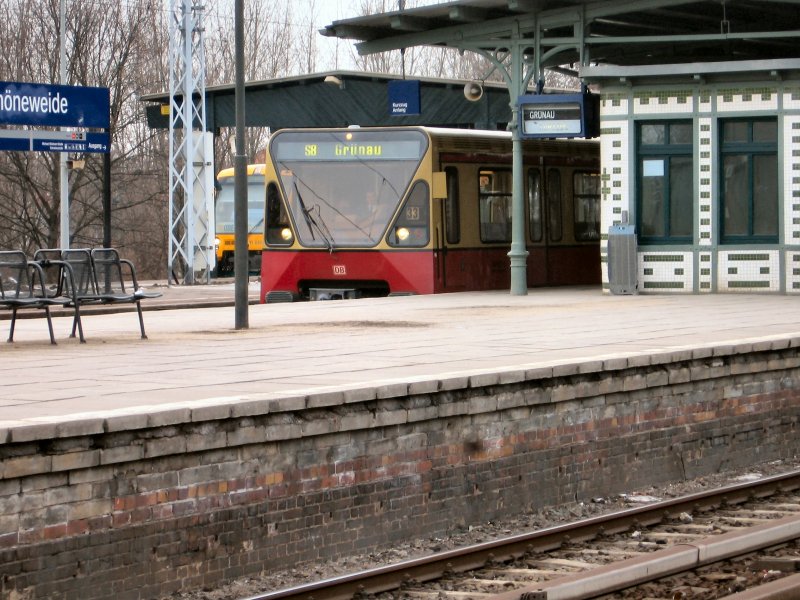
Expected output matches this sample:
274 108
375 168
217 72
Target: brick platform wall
140 505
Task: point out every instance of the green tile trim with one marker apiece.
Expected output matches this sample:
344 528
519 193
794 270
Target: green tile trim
739 257
663 258
663 285
748 284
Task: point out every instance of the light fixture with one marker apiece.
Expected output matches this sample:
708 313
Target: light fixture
334 80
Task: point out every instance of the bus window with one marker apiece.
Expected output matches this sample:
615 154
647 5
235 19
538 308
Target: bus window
535 204
494 205
586 206
452 212
412 226
554 205
278 230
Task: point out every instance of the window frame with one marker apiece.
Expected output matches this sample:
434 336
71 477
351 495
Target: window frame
749 149
667 152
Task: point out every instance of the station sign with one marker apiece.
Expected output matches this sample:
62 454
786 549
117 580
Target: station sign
559 115
44 105
404 97
54 141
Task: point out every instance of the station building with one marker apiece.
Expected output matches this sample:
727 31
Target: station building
704 160
699 120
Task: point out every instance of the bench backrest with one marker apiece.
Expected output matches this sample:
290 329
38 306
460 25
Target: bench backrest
80 259
16 281
108 270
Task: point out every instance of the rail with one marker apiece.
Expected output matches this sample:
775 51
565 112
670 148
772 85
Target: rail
394 577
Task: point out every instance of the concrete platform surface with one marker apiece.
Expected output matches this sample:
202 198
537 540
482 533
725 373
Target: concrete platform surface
195 357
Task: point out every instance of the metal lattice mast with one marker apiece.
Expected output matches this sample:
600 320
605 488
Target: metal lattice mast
191 209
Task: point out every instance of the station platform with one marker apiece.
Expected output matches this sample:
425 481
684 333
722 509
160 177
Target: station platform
195 357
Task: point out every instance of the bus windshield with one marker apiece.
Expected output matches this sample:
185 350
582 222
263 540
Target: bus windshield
342 187
223 210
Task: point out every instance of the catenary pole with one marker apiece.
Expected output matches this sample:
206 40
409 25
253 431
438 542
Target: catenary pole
241 262
62 162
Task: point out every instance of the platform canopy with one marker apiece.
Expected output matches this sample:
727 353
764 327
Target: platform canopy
619 32
341 99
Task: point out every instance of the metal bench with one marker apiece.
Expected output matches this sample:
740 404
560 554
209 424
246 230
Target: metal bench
59 282
22 285
99 278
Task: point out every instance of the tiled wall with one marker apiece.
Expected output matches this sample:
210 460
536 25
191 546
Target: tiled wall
704 266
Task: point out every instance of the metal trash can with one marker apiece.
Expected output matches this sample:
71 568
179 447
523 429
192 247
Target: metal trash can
622 260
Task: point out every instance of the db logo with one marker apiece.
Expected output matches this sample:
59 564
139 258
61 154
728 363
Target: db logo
339 270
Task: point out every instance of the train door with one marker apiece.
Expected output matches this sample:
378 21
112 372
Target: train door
543 196
449 232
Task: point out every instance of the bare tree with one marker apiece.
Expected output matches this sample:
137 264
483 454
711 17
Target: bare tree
105 47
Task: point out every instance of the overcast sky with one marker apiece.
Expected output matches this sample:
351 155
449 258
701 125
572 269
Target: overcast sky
328 11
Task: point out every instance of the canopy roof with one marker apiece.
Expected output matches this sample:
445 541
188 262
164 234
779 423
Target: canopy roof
616 32
342 98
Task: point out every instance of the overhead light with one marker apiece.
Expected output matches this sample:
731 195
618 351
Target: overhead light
334 80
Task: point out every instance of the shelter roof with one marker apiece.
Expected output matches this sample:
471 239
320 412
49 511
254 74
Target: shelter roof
618 32
342 98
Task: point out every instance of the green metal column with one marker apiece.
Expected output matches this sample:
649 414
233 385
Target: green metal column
518 253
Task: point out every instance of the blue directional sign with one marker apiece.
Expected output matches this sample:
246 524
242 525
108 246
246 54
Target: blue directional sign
88 142
41 104
404 97
54 141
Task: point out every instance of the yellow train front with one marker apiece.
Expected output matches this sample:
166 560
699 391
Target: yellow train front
411 210
223 219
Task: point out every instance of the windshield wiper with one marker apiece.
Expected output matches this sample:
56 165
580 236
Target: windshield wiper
311 222
259 222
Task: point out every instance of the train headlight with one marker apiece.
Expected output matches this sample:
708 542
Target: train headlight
217 243
286 234
402 233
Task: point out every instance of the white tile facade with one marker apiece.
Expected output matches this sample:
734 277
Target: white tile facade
705 265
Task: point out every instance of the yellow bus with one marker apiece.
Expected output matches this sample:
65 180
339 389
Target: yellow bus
223 213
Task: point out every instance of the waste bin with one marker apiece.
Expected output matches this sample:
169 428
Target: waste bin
622 260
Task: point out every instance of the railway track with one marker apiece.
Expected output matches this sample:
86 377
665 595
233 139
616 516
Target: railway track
739 542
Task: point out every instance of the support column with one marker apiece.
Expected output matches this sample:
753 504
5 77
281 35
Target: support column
518 254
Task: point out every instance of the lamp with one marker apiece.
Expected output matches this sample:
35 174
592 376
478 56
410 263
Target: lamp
334 80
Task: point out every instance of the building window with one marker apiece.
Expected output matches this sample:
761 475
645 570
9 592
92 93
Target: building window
749 181
586 206
664 198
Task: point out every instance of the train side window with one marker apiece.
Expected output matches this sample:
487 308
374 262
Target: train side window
452 207
494 205
554 218
586 206
412 226
278 230
535 204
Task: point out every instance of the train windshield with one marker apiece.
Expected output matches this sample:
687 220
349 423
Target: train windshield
223 210
343 187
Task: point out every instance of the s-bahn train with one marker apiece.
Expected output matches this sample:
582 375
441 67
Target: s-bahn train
223 219
361 212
